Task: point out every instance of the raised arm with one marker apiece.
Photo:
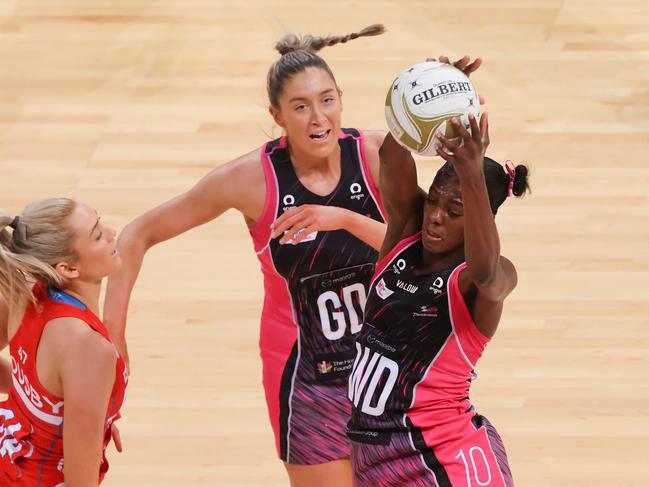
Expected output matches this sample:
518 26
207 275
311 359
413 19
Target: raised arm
402 197
87 372
489 277
217 192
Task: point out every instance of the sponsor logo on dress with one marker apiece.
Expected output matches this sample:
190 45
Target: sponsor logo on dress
399 266
289 202
427 311
411 288
332 366
309 238
30 396
372 340
369 436
382 290
10 446
437 286
356 191
325 367
337 280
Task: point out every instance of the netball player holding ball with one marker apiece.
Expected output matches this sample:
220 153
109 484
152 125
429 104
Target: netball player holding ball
317 223
435 301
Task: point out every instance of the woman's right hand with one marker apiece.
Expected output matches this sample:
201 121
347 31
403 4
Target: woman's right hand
466 153
464 64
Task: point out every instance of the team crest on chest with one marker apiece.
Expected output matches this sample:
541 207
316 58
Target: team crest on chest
382 290
309 238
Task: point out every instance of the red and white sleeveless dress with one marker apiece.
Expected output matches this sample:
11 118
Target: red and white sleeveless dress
412 421
31 419
315 292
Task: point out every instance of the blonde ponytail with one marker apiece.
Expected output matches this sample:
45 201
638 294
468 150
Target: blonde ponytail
31 245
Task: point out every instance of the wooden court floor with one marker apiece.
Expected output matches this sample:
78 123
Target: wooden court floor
125 103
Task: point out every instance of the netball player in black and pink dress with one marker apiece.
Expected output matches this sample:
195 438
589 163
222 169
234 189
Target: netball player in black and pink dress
310 201
435 302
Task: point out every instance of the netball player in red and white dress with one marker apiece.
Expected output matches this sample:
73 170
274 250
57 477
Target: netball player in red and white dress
434 303
67 380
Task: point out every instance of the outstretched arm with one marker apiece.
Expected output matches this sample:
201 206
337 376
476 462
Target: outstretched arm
217 192
488 273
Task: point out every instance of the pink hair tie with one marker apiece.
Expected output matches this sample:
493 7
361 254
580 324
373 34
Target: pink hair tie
511 172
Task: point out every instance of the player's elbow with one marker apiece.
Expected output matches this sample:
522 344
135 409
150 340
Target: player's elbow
493 291
390 150
484 276
496 286
136 237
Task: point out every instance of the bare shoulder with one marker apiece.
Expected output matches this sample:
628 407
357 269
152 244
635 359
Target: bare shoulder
373 140
84 362
74 340
247 166
246 169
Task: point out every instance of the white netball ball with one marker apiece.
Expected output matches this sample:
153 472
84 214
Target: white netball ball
423 99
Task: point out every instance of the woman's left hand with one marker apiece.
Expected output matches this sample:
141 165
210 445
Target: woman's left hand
298 223
467 151
464 64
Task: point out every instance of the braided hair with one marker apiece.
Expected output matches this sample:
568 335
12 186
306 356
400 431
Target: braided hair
299 53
